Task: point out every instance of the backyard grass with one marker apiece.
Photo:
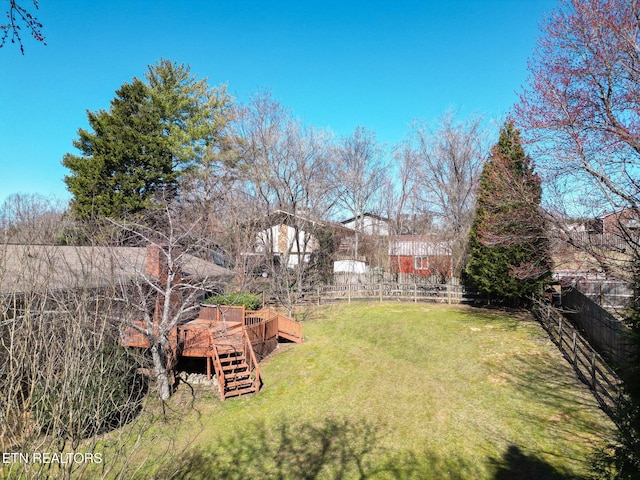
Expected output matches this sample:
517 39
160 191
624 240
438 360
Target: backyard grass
392 390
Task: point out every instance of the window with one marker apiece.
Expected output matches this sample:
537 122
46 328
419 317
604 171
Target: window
421 263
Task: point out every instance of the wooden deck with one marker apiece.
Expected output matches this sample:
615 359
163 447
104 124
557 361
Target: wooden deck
231 339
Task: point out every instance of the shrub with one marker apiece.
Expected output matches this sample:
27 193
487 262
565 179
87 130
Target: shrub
251 301
106 395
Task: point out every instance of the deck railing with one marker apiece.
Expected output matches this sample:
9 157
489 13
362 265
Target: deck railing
284 326
195 338
218 369
263 334
252 317
252 361
222 313
289 328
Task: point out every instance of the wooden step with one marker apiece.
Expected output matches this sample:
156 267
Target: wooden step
234 365
237 378
230 353
239 383
233 362
239 374
235 393
231 374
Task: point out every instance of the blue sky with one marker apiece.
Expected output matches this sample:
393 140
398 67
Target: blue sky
335 64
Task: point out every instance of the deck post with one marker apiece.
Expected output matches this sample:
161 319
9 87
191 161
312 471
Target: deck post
208 368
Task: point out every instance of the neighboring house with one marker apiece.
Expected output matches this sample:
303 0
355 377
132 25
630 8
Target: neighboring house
292 239
419 255
623 221
288 238
36 268
596 248
369 224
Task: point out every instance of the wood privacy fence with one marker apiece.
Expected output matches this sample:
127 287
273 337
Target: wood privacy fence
607 293
608 334
588 364
603 241
384 291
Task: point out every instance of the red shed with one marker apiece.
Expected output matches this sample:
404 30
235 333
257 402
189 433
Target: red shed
420 255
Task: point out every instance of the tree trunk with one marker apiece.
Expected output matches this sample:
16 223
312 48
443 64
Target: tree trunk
160 370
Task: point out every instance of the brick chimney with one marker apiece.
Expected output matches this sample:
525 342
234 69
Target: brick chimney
157 268
156 262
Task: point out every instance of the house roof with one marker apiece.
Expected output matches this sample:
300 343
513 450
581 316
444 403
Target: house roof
46 267
280 216
366 214
417 245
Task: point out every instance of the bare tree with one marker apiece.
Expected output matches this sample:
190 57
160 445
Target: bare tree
65 379
33 218
450 156
359 175
19 16
402 199
580 110
286 170
159 297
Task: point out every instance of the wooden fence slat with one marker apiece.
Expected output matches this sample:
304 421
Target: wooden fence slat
391 291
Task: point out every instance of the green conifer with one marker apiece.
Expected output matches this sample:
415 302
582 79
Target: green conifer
509 250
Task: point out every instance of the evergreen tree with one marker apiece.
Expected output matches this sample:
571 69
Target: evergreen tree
155 137
192 115
509 252
126 161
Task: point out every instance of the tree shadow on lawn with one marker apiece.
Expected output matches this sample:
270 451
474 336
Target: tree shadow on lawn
516 465
333 449
569 416
555 385
340 449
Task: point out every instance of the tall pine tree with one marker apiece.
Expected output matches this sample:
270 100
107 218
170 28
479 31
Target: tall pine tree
509 251
126 161
154 136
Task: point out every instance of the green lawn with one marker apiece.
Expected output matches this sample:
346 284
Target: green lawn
394 390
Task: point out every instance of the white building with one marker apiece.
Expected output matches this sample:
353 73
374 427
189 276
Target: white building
369 224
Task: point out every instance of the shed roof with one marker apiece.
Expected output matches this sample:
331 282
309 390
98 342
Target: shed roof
417 245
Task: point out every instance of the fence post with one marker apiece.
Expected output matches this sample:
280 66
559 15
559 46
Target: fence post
548 315
560 329
448 294
318 295
601 294
349 292
381 291
415 293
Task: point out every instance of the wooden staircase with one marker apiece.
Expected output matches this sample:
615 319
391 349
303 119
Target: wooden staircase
236 368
